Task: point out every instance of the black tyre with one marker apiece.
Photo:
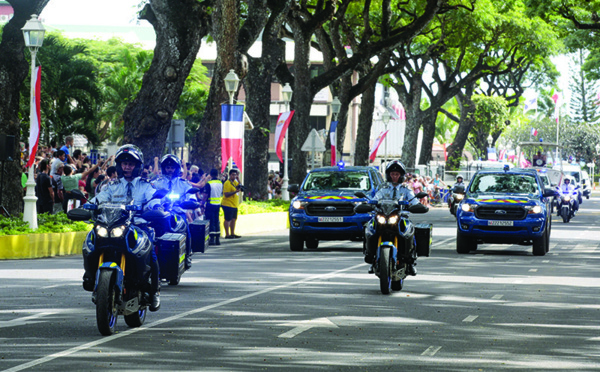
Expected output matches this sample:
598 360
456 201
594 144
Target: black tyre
566 216
464 244
296 242
312 243
587 196
136 319
106 307
176 279
540 245
397 285
385 279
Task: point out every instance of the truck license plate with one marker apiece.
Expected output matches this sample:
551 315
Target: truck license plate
331 219
500 223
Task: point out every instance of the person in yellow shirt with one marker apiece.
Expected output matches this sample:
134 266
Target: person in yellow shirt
230 203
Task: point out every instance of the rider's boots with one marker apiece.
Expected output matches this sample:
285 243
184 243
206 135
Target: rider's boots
217 242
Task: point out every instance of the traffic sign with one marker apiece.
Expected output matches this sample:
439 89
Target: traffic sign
313 142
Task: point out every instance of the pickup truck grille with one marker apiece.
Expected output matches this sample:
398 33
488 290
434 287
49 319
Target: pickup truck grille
330 210
500 213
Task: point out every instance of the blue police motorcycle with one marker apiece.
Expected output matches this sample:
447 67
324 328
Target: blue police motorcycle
397 238
119 254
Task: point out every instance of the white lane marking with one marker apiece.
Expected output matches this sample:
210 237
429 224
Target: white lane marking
443 242
470 318
497 297
431 350
546 261
305 325
59 285
25 320
533 270
130 331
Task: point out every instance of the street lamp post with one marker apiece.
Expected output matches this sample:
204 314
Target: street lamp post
33 32
336 105
231 84
490 139
386 119
286 92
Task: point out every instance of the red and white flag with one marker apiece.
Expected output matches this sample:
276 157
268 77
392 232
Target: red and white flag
376 144
35 124
556 99
283 122
232 134
333 140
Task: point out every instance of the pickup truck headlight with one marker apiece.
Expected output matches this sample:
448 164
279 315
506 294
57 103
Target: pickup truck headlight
466 207
297 204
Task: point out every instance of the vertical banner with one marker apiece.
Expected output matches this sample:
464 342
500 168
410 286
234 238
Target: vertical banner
35 124
283 122
556 99
491 154
376 145
333 139
232 134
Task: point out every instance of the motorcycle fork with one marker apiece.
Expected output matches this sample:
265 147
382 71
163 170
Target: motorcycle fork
395 245
122 265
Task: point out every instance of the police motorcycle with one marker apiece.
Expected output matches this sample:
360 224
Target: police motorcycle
457 194
397 238
119 253
566 205
173 237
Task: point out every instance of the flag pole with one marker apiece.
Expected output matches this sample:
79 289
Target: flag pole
30 200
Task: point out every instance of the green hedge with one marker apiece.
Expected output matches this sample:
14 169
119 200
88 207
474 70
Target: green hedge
47 223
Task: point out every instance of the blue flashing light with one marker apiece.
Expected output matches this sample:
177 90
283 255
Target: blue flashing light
541 140
506 167
341 165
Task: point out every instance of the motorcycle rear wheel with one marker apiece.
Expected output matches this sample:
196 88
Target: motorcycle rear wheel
136 319
385 279
106 306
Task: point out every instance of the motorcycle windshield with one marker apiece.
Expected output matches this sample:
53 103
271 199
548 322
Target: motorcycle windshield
388 206
112 214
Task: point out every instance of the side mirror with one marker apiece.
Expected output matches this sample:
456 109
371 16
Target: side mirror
159 194
189 204
193 191
364 208
79 215
294 188
421 195
360 194
418 208
90 206
549 192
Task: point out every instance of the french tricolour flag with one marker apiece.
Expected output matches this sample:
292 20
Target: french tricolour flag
232 134
534 132
35 124
376 144
283 122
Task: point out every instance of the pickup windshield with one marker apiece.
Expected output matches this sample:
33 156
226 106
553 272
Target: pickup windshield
504 183
343 181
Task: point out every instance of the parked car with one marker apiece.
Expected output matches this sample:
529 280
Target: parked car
324 206
505 207
586 184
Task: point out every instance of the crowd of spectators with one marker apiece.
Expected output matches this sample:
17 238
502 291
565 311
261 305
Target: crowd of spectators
432 186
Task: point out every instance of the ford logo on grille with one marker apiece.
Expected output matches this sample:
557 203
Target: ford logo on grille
330 209
500 211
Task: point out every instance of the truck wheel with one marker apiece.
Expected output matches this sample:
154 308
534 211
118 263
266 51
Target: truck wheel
539 245
464 244
296 242
312 243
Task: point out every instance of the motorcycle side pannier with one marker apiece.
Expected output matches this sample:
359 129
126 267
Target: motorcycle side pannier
423 233
199 231
171 255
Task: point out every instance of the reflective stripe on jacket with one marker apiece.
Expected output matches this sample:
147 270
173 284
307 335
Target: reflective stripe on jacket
216 192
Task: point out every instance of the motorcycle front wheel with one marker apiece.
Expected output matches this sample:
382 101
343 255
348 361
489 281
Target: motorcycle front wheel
106 306
136 319
385 272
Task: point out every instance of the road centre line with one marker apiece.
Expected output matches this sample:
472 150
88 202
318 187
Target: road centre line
533 270
431 350
470 318
497 297
130 331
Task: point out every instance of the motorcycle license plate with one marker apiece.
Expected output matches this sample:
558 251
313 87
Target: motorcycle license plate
500 223
331 219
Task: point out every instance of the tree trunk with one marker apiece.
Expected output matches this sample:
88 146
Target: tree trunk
467 110
180 26
207 141
428 121
14 70
365 121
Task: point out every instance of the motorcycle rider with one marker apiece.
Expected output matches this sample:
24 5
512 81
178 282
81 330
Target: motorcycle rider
129 186
459 182
393 189
170 166
567 188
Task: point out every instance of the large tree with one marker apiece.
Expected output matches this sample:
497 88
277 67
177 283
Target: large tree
14 70
180 26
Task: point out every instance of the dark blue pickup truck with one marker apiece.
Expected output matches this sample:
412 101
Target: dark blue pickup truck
505 207
324 206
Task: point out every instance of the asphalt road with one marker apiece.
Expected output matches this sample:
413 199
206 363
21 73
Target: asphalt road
253 305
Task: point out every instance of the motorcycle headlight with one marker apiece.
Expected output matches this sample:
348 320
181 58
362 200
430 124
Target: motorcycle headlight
567 198
173 196
117 232
459 196
393 220
466 207
101 231
381 219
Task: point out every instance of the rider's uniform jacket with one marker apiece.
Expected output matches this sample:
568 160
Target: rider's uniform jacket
567 189
175 185
120 190
460 184
216 192
401 193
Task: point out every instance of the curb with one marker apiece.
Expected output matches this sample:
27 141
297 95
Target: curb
16 247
